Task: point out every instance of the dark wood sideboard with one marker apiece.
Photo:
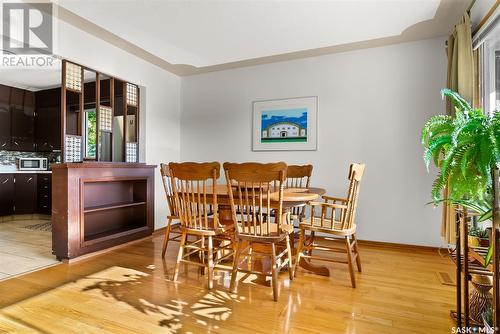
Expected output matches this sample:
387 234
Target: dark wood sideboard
97 205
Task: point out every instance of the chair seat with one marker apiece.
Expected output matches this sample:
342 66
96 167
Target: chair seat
273 237
326 227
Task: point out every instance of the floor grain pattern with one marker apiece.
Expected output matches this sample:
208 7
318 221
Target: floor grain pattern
129 291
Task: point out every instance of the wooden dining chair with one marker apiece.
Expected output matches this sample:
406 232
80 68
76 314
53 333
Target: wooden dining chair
195 190
298 176
255 191
337 219
172 230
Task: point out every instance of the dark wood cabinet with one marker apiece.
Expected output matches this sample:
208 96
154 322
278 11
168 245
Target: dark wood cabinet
48 120
5 138
6 194
25 194
30 121
4 117
22 105
100 205
44 194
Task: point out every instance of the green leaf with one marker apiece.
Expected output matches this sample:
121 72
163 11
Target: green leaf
485 216
489 256
457 100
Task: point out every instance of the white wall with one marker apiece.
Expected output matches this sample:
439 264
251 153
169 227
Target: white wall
160 97
372 105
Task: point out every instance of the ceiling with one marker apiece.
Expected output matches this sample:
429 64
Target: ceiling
208 34
35 78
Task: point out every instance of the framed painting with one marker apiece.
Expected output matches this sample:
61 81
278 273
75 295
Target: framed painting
285 125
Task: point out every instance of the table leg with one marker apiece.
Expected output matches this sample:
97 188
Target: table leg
319 270
307 265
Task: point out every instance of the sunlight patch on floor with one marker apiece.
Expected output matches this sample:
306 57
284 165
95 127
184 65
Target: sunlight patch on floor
170 310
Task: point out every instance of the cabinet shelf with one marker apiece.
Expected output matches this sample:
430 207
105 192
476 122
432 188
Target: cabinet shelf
112 206
112 234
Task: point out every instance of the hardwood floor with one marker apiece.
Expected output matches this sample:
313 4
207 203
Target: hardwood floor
129 291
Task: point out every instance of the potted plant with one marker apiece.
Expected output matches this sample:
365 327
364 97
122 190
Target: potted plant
465 148
479 237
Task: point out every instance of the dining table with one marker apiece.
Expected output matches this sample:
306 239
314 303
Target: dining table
292 197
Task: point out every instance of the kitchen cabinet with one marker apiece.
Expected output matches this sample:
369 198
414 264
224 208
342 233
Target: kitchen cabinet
5 139
48 120
4 117
22 105
30 121
25 194
6 194
44 193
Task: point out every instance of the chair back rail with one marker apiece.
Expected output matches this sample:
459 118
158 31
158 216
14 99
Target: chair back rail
167 186
340 210
356 172
298 176
190 183
256 196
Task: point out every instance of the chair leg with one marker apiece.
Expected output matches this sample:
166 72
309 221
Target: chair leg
356 251
234 273
249 257
179 256
274 273
167 236
310 251
292 237
290 261
299 251
201 255
349 261
210 263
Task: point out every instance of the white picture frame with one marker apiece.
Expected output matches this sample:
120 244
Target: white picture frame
285 125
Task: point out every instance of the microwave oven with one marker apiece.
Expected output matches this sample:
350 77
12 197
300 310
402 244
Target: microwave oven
33 164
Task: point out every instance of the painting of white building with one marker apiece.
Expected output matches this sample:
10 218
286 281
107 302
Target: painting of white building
284 130
286 125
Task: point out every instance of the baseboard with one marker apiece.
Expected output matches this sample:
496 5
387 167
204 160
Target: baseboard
34 216
397 245
394 245
159 231
107 250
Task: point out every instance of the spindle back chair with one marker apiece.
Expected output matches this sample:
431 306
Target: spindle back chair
197 210
172 229
298 176
337 218
256 197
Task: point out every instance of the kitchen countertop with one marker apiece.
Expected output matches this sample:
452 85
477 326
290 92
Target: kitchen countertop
26 172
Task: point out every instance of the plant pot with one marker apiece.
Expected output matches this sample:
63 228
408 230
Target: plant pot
487 328
484 242
473 241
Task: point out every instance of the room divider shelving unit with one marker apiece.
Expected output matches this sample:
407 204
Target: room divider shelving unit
470 261
117 107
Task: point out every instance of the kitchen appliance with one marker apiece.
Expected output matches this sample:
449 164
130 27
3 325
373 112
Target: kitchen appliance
33 164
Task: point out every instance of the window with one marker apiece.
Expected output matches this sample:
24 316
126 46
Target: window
490 66
90 133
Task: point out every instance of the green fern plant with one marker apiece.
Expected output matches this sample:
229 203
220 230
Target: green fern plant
464 148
